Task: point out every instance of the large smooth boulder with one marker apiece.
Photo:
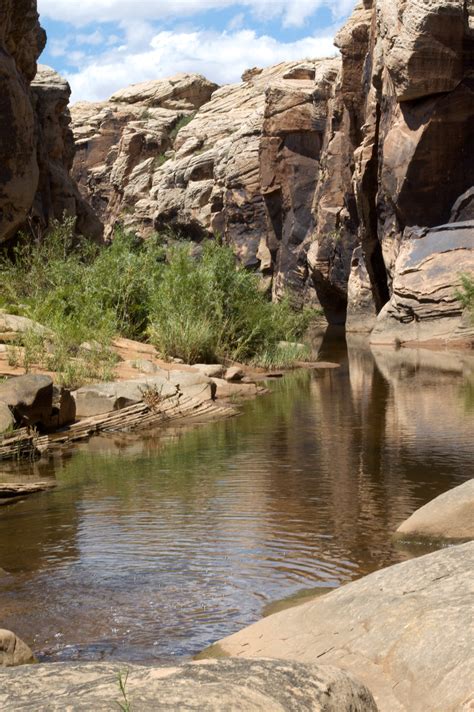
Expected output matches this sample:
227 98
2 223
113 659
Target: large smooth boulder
13 651
11 323
30 398
449 516
230 685
404 631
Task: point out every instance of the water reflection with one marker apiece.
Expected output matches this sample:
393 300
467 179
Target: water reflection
152 547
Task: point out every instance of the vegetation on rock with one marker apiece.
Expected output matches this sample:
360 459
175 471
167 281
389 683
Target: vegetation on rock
196 308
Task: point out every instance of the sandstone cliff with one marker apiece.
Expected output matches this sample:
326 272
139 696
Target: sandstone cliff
36 143
317 172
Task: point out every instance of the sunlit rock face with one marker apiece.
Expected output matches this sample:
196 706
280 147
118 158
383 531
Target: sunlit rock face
36 145
303 162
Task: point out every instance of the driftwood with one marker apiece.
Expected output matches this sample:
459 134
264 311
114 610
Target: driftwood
27 443
17 489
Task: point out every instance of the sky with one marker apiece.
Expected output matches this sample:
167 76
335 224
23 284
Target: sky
103 45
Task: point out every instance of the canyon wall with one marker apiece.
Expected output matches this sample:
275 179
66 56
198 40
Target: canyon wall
334 178
36 142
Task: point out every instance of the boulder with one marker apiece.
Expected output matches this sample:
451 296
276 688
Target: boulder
13 651
11 323
7 421
212 370
30 398
64 408
449 516
403 631
231 685
424 305
234 373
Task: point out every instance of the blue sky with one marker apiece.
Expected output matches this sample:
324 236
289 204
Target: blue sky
103 45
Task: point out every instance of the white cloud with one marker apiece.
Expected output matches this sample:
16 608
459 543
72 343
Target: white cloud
293 13
220 56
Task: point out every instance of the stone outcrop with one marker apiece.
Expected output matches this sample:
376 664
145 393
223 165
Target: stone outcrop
57 193
424 305
449 516
402 631
36 145
21 42
33 401
120 143
14 651
257 165
233 685
101 398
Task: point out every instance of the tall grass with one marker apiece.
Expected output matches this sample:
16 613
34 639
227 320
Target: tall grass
213 309
203 309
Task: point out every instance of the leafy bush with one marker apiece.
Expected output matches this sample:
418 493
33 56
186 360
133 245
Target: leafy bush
213 309
466 292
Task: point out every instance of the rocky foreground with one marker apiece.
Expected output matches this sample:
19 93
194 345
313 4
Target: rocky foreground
404 631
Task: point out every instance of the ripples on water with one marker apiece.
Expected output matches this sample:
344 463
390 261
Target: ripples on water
151 548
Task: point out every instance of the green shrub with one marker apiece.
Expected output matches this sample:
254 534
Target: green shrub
197 309
466 292
213 309
183 121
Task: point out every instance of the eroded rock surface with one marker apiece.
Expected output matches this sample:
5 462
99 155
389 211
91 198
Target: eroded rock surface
449 516
233 685
401 630
424 305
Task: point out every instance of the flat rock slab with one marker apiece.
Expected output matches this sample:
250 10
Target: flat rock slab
404 631
227 685
449 516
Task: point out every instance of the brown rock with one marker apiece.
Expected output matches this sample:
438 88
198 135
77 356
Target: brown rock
403 631
21 42
7 421
14 651
29 397
424 305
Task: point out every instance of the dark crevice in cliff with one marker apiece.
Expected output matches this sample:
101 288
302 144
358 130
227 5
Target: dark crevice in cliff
371 244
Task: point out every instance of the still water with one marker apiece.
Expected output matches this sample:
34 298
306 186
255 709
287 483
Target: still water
153 547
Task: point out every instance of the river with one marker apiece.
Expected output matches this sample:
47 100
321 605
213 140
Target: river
152 547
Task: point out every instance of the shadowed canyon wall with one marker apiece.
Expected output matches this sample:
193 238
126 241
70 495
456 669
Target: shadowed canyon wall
36 143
